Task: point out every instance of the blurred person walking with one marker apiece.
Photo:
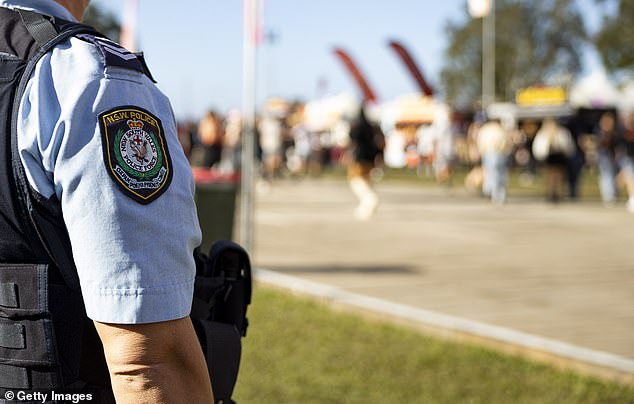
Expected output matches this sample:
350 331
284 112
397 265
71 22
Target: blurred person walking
523 153
271 129
185 134
297 155
420 148
231 147
494 146
444 143
210 137
554 145
474 179
577 161
363 152
627 157
608 140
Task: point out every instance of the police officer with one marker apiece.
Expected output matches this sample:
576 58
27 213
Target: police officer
97 147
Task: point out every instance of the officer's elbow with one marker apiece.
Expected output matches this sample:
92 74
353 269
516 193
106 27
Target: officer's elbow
135 378
160 359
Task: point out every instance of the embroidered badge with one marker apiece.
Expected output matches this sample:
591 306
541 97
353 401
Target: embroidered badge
135 152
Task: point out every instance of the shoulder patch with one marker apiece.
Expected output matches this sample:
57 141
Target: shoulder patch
114 54
135 152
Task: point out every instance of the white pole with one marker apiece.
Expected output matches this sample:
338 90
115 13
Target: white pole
248 131
127 36
488 57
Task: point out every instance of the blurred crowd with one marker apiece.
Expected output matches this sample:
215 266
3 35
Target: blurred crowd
298 139
285 144
561 147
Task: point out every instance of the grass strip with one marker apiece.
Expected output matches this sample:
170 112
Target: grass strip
300 351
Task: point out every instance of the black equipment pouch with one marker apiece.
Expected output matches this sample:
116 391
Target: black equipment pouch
28 356
222 292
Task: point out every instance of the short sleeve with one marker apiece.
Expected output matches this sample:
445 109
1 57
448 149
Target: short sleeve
134 257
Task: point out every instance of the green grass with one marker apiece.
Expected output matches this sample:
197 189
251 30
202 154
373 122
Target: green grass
299 351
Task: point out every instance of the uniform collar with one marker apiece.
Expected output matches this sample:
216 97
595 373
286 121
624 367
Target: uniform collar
48 7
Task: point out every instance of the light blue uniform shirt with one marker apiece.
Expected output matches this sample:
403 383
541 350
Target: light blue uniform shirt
134 261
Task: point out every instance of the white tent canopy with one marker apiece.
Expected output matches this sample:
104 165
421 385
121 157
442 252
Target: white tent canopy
323 114
594 91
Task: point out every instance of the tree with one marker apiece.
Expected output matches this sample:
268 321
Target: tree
614 40
536 42
103 21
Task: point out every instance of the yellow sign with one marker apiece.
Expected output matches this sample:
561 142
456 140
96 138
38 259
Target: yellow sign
540 96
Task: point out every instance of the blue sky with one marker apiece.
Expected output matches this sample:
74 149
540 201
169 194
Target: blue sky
194 49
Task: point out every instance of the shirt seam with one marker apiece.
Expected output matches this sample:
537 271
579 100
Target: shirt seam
157 290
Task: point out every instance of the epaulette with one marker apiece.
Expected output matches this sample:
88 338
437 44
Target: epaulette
114 54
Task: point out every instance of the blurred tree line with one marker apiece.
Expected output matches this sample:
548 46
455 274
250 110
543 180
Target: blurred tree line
103 21
537 42
615 40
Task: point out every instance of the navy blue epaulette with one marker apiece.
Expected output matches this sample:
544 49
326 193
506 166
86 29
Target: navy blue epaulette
116 55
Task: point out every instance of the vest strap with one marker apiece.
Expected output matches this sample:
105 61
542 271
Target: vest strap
41 228
40 28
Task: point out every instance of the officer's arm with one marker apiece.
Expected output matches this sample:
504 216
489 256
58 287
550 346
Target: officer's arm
155 362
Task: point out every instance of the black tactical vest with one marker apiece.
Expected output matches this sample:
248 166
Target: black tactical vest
47 343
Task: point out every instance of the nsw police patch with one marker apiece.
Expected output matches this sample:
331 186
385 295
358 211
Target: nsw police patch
135 152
